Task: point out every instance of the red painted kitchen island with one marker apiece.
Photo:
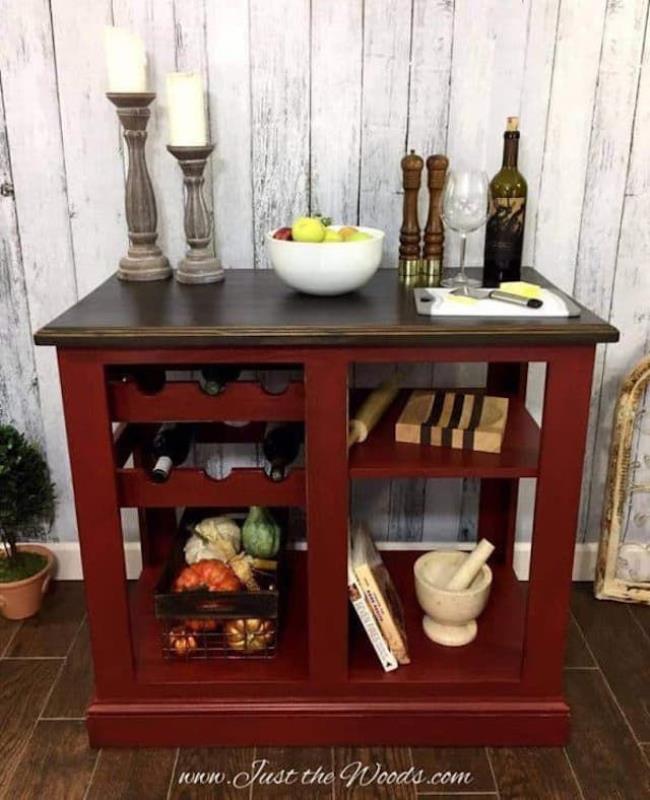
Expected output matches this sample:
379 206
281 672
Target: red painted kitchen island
324 684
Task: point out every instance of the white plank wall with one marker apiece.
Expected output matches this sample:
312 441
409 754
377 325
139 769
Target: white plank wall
311 106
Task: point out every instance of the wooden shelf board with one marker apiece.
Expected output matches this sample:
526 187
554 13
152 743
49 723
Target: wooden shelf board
289 665
382 457
192 487
184 401
495 656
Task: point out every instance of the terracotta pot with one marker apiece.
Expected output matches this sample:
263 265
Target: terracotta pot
22 599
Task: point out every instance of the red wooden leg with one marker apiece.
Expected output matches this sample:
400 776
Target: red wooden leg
100 530
326 386
498 500
566 413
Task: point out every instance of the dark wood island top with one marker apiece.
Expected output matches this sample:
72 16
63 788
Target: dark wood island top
253 307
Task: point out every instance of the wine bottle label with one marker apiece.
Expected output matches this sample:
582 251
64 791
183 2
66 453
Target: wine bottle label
505 227
504 238
163 467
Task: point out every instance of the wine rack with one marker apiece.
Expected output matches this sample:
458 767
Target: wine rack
323 685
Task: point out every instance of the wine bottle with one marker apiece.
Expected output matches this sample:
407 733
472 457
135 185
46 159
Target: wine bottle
170 447
149 379
213 378
504 234
281 446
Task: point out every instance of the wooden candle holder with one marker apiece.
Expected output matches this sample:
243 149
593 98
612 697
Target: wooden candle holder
434 232
144 261
200 264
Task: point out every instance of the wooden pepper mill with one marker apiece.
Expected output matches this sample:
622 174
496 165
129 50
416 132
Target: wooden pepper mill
434 233
409 235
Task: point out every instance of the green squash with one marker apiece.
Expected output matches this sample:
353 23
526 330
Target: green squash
260 534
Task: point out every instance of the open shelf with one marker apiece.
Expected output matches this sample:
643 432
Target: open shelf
382 457
192 487
181 401
289 664
494 657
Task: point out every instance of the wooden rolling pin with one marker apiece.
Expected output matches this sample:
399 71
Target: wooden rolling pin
471 566
371 411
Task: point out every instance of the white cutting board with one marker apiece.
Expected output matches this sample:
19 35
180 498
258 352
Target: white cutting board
435 303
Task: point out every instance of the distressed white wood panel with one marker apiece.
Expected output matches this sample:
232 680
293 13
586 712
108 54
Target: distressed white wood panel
19 398
386 56
369 501
154 21
443 503
280 115
535 99
387 34
486 85
34 133
336 51
429 83
91 142
630 310
575 74
230 115
609 150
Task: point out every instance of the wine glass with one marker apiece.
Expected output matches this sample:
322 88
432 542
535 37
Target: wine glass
464 208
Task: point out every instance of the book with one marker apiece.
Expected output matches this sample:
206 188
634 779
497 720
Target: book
461 420
379 591
360 605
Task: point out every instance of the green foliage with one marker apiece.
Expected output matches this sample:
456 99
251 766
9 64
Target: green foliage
27 498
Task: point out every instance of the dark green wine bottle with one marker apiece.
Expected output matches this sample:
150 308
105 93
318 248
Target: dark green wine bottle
504 234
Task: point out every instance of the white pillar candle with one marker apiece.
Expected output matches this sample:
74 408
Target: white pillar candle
186 104
126 60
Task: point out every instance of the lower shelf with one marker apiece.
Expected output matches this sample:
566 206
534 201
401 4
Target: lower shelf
494 656
289 665
492 661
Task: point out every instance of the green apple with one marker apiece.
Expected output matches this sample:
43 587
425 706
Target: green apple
358 236
308 229
333 236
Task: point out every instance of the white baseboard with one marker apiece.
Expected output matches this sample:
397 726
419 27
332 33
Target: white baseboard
584 563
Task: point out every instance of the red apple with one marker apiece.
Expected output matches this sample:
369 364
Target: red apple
283 233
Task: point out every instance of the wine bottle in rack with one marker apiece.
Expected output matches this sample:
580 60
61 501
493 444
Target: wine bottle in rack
149 379
504 233
213 378
170 447
281 446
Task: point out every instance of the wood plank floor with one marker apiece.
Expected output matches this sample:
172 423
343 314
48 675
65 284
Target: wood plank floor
46 680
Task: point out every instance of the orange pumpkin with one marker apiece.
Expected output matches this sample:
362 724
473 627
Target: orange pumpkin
198 625
210 574
180 642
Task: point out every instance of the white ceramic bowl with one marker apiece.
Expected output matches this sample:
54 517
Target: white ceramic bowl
326 268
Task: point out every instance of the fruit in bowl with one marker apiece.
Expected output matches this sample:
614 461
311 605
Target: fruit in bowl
317 258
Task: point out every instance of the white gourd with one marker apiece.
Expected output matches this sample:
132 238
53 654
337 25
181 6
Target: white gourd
197 549
214 537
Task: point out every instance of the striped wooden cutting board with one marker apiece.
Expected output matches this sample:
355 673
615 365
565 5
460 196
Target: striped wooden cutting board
453 419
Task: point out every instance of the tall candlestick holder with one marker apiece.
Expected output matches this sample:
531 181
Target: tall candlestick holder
145 260
200 264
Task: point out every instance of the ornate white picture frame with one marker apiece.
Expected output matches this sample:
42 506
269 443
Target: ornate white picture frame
612 582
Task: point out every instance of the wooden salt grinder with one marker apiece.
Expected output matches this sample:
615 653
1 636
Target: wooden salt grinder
409 235
434 233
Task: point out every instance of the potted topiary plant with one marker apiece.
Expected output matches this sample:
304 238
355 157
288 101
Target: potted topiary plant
27 502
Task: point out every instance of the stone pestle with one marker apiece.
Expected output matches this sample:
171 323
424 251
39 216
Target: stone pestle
470 567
